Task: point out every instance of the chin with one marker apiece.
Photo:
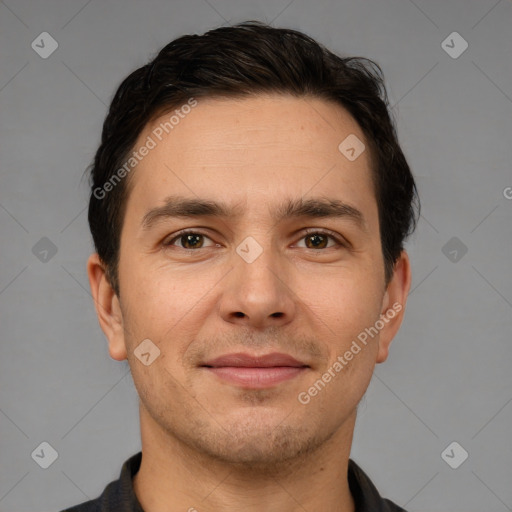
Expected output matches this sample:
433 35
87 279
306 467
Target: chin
255 446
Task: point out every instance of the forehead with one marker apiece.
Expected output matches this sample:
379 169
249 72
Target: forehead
243 124
252 148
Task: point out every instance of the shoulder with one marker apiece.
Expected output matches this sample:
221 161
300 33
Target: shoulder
88 506
365 494
118 495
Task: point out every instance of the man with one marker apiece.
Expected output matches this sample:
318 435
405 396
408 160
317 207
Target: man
249 204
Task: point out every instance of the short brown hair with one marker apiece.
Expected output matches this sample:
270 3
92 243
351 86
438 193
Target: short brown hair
236 61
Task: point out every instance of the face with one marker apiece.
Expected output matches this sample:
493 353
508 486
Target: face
248 233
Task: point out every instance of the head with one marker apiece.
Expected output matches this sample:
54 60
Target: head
242 129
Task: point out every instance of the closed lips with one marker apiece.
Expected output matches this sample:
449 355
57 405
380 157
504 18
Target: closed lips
242 360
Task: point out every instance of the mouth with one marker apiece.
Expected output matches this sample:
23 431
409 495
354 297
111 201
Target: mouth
255 372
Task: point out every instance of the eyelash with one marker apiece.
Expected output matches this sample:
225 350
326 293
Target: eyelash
310 231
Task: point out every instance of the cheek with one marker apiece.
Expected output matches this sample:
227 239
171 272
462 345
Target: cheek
164 305
156 293
345 301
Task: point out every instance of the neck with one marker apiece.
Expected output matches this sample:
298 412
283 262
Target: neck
174 476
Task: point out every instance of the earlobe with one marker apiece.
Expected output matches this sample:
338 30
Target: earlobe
393 304
107 307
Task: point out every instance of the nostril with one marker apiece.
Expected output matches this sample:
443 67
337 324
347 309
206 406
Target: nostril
277 315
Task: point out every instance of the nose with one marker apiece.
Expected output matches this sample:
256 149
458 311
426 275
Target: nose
258 294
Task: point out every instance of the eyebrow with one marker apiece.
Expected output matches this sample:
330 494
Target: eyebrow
318 207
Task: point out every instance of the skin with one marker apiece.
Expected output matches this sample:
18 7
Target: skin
216 446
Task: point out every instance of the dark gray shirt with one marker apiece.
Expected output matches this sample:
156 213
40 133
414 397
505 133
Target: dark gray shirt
119 495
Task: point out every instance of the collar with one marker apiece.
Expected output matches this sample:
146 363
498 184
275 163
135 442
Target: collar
119 496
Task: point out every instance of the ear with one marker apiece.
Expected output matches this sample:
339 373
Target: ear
393 304
107 307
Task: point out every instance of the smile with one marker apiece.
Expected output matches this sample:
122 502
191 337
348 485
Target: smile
255 372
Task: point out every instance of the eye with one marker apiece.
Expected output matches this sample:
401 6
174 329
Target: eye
318 239
193 240
189 240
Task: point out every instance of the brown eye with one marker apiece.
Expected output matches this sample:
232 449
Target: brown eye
188 240
320 240
192 241
316 241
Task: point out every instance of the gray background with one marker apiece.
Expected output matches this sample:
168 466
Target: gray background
448 375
